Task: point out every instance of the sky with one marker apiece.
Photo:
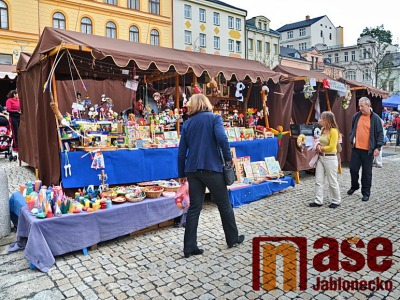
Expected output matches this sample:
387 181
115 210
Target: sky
352 15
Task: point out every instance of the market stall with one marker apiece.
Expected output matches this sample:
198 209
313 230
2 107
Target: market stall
311 94
66 62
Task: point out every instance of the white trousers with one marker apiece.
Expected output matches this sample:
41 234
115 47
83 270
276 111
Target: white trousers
327 165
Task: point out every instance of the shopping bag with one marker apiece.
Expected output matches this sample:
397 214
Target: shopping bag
182 196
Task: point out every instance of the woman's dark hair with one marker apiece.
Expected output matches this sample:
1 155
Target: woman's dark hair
12 93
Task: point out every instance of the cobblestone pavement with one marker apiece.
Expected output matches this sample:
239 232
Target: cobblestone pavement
151 265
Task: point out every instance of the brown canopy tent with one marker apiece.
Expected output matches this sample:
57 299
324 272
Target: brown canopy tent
103 65
302 111
358 90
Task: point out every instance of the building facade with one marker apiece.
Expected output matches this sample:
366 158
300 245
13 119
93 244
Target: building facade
262 41
361 61
145 21
310 32
209 26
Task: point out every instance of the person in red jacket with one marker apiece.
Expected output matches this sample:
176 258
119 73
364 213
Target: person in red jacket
14 111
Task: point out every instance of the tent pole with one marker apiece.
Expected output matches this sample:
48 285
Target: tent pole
246 101
312 106
55 96
328 102
177 96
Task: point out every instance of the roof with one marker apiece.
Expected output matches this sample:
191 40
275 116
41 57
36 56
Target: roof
301 24
375 92
298 73
392 101
123 53
227 5
255 28
291 53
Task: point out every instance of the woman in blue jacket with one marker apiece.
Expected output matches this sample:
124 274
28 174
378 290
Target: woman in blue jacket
199 160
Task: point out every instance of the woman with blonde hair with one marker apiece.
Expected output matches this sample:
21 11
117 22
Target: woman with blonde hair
199 160
327 161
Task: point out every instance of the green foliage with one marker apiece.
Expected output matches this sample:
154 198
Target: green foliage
379 33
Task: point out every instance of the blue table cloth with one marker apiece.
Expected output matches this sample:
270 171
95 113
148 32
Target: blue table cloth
46 238
131 166
17 201
244 195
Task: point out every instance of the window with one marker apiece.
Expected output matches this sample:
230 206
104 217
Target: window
216 42
134 4
230 45
351 75
86 25
391 85
202 15
267 47
154 38
265 26
322 34
259 46
259 25
366 53
290 34
59 20
216 18
3 16
111 30
302 46
187 11
188 37
290 46
113 2
154 7
336 57
330 36
202 40
353 55
238 46
302 31
366 75
238 24
134 34
6 59
230 22
276 48
250 44
346 56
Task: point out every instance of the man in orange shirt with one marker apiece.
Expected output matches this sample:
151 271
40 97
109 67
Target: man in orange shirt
366 137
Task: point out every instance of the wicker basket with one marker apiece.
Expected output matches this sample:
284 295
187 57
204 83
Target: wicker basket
170 188
153 194
141 197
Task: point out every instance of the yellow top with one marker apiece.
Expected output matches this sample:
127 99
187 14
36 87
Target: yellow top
328 141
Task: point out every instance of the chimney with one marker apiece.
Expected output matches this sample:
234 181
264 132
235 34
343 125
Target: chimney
307 17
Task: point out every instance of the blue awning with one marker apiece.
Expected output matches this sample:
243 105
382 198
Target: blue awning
392 101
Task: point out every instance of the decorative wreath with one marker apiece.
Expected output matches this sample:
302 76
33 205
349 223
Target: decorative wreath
346 99
301 140
317 133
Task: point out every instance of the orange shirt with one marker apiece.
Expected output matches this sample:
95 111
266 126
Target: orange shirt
363 131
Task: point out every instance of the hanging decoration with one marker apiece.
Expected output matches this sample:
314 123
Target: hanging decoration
346 99
239 91
308 89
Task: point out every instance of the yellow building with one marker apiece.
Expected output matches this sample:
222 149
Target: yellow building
22 21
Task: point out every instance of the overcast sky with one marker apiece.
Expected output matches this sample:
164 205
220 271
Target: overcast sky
352 15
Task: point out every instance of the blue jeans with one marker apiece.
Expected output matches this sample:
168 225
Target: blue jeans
214 181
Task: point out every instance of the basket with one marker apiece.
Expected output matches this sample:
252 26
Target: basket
170 188
153 194
130 197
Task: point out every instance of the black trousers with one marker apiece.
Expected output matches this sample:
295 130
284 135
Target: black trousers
361 159
15 126
214 181
398 138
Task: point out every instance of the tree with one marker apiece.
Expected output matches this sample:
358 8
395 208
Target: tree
379 33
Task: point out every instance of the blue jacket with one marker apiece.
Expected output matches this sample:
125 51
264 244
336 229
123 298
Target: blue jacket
376 131
202 136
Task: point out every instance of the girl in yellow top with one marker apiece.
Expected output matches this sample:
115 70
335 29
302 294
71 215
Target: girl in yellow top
327 161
